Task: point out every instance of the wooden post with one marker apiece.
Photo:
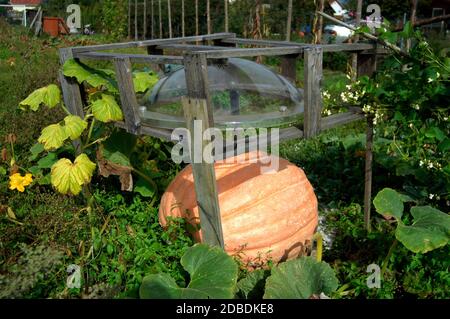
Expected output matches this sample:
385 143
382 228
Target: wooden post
124 75
368 173
197 106
226 15
129 19
135 21
289 22
312 95
169 14
355 55
145 20
412 20
208 16
367 64
153 18
196 17
288 67
71 91
160 20
183 32
318 22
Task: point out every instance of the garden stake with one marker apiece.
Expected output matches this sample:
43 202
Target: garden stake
368 173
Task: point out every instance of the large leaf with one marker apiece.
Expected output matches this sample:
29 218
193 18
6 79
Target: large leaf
82 73
145 187
53 136
119 146
213 275
389 203
430 230
35 150
47 161
68 177
49 96
143 81
106 109
74 126
252 286
300 279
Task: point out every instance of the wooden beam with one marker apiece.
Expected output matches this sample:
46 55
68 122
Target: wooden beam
312 96
235 53
136 58
339 119
71 91
197 106
134 44
130 106
191 47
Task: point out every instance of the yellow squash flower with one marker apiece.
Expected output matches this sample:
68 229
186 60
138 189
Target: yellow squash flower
19 182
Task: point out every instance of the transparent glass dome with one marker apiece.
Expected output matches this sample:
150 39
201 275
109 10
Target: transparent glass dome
243 94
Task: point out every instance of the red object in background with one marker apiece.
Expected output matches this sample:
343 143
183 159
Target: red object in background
26 2
55 26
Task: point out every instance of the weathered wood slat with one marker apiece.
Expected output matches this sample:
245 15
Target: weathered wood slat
128 99
236 53
196 111
192 47
71 91
197 106
70 87
265 43
312 96
136 58
145 43
340 119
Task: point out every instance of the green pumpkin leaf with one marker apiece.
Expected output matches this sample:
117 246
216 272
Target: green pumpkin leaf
74 126
213 275
252 286
53 136
119 146
49 96
47 161
94 78
300 279
68 177
389 203
430 230
145 188
35 150
143 81
106 109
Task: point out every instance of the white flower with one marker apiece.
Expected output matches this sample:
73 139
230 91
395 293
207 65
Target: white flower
421 163
446 118
416 106
431 196
411 125
430 80
430 165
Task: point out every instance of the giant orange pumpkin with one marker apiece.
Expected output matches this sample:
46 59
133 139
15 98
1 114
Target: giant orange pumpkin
264 216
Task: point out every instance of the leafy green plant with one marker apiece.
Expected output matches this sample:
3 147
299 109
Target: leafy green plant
430 228
214 275
92 131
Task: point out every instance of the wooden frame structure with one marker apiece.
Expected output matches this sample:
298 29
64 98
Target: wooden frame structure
195 54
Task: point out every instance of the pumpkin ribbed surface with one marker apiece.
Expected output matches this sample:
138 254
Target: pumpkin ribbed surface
263 215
